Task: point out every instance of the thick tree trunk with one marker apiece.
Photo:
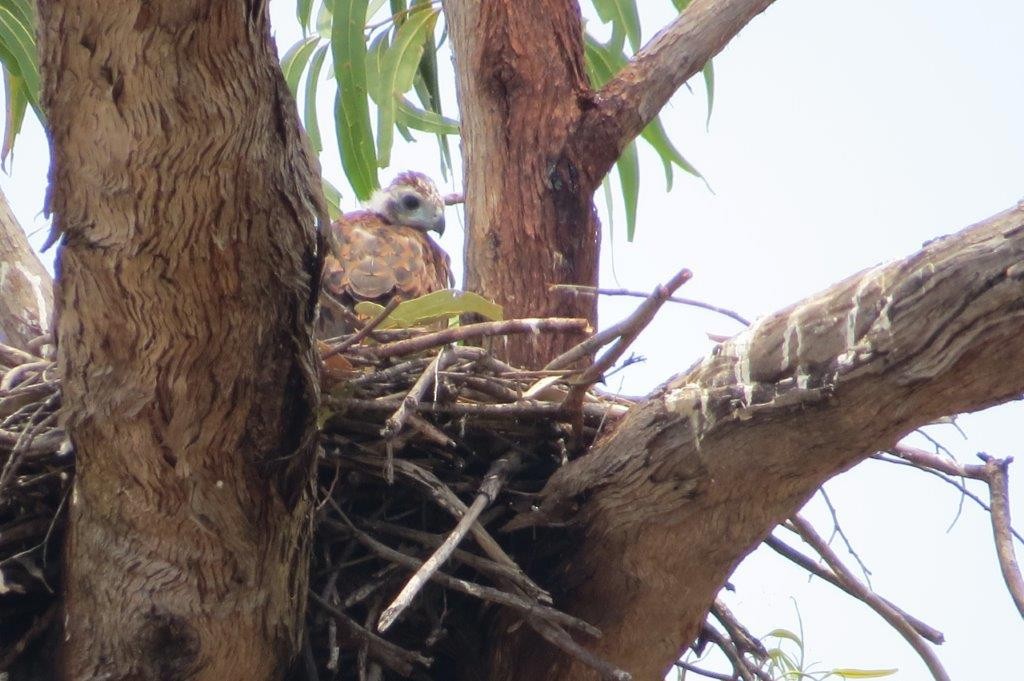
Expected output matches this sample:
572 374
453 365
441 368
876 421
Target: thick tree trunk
26 290
697 476
520 76
186 205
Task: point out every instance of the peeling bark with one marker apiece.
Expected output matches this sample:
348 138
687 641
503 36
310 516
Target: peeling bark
695 478
186 205
26 289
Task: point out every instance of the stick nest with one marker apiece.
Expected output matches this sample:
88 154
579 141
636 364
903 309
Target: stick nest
429 449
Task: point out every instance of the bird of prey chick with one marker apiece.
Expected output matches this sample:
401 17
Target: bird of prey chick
384 252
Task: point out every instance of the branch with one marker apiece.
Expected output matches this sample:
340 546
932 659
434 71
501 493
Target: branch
632 99
887 612
727 449
26 289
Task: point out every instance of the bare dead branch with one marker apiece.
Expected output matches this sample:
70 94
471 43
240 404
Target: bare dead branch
995 470
577 289
888 613
500 469
362 333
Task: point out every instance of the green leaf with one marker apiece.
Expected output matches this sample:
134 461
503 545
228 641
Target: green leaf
14 112
786 634
624 18
400 63
432 307
864 673
17 36
629 177
654 134
680 5
602 61
333 198
413 117
310 117
709 85
373 8
294 61
303 12
351 108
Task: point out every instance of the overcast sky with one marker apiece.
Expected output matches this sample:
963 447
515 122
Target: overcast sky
844 135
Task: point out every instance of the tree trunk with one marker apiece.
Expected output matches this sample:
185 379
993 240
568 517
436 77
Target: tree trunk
26 290
694 479
531 223
186 204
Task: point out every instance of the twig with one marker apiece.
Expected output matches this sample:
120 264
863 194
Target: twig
13 357
744 641
483 329
495 479
363 332
448 500
887 612
837 529
396 657
787 551
472 589
740 665
594 291
558 637
411 401
703 672
998 486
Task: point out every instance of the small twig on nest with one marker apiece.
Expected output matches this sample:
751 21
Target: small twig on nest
559 638
13 357
363 332
495 479
744 641
449 501
787 551
393 426
480 591
454 334
397 658
741 667
594 291
887 612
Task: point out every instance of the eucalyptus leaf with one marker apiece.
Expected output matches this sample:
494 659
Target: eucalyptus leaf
352 109
432 307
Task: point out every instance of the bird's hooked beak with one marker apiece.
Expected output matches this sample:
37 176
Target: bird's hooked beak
438 224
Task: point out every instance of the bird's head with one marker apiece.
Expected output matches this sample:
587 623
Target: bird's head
412 199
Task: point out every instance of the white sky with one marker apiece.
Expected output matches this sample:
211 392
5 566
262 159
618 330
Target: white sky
844 134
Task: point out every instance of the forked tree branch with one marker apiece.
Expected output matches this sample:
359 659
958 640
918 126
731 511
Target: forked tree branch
696 477
625 105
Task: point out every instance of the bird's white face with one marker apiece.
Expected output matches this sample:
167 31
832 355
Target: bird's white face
412 199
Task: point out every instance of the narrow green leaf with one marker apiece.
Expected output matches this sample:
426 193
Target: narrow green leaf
333 198
373 8
352 109
864 673
303 12
16 97
680 5
428 89
294 61
413 117
654 134
432 307
624 18
17 35
325 20
787 634
709 85
602 61
310 117
629 178
400 63
398 8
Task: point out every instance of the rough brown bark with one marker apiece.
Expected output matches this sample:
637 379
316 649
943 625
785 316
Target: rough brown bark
26 289
520 76
186 206
696 477
537 142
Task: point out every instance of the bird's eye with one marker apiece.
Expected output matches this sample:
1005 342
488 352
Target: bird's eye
410 202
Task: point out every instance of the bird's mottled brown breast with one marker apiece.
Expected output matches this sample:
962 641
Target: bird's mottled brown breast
370 259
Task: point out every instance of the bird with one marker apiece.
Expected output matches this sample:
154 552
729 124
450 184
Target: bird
384 252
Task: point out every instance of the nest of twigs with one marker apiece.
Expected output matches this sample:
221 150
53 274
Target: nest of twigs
429 449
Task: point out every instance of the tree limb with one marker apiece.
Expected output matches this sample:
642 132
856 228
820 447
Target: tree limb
26 288
621 109
693 479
